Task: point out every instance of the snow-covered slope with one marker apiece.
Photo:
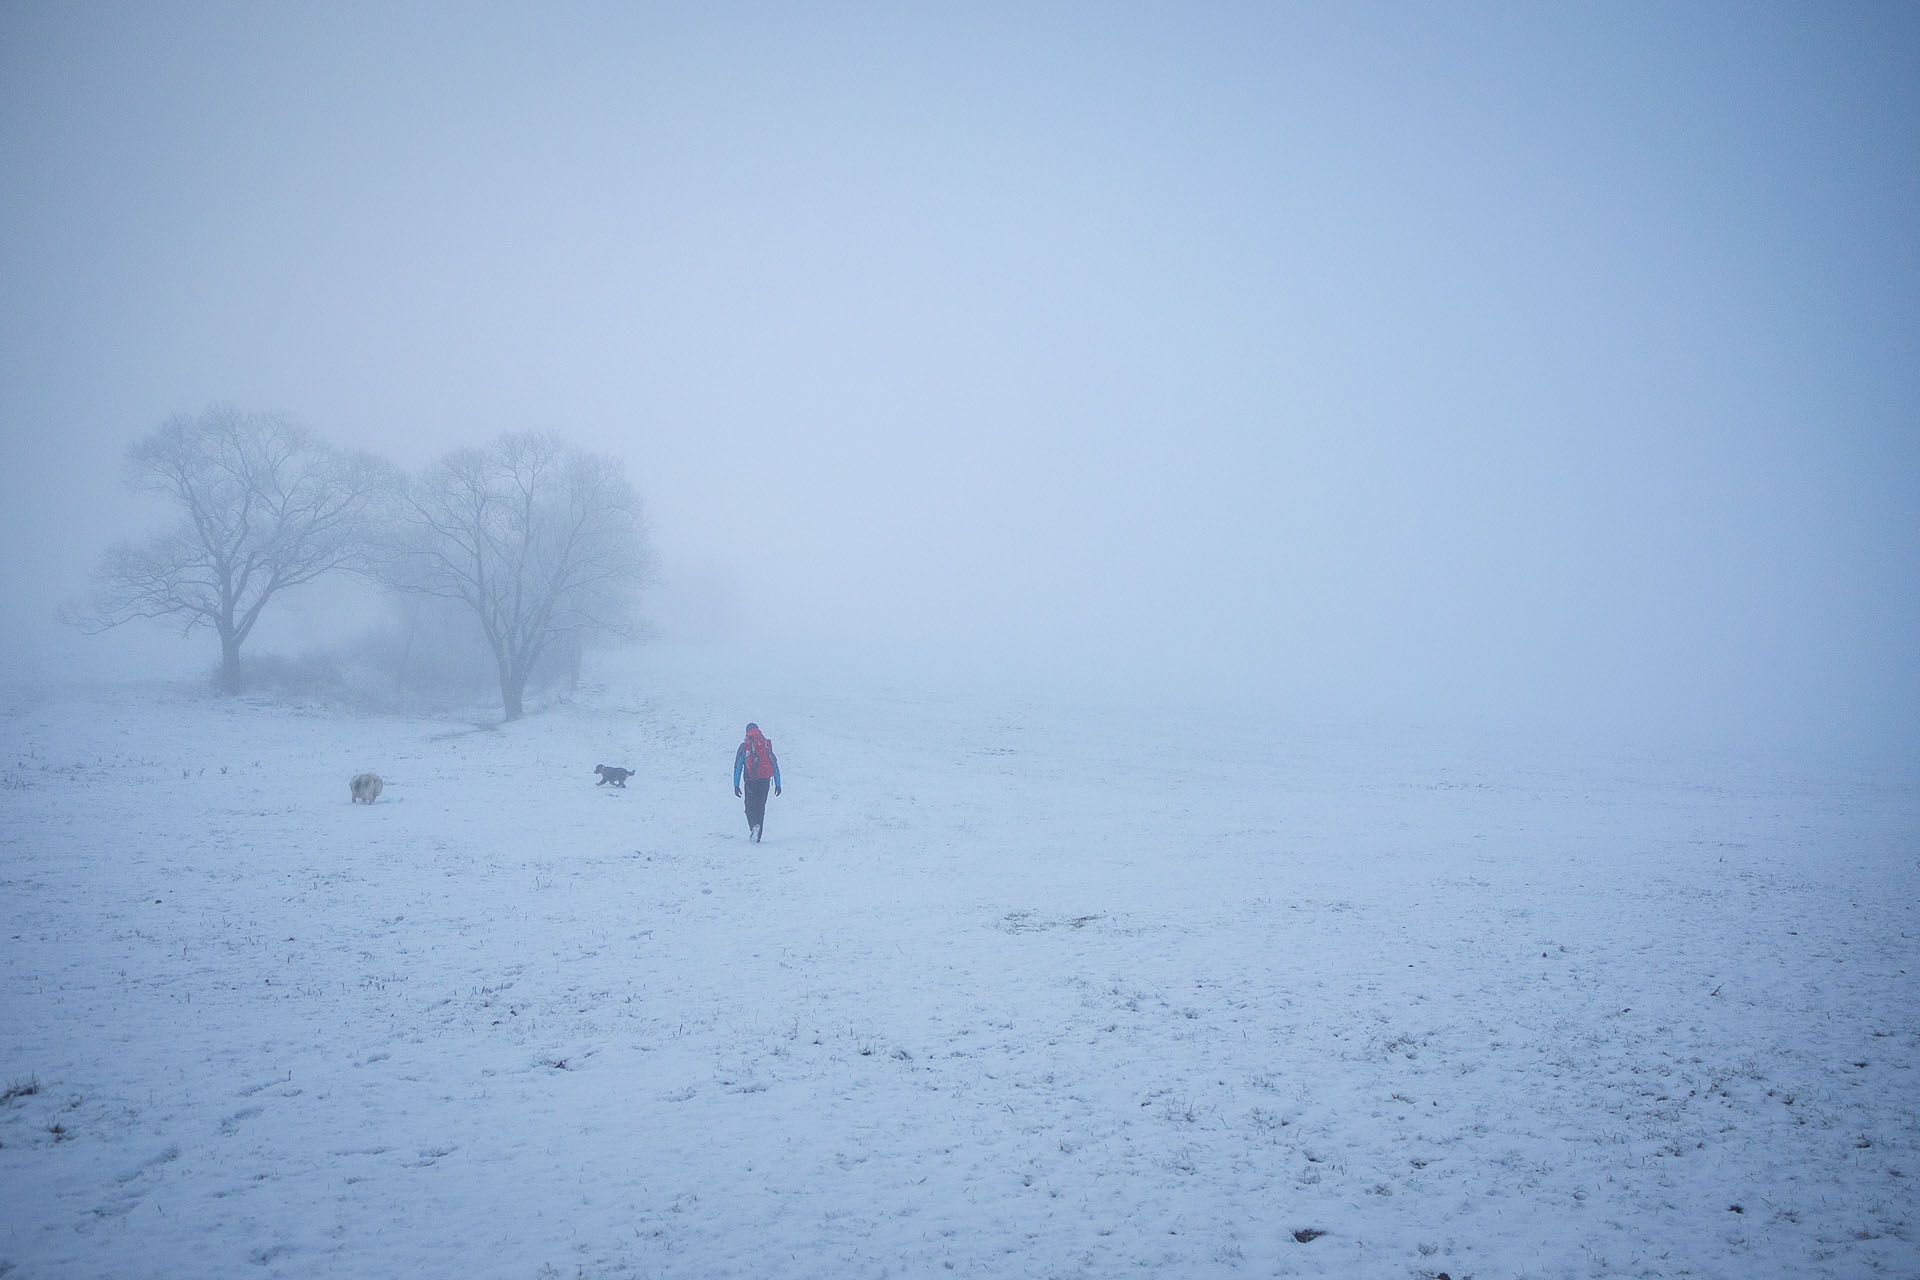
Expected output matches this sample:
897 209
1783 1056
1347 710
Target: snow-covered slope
1011 988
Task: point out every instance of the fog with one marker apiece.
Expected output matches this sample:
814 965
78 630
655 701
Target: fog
1540 364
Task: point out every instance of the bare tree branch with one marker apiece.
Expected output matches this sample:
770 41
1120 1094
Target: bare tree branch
265 506
540 541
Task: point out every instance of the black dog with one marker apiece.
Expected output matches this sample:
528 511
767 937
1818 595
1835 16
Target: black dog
618 777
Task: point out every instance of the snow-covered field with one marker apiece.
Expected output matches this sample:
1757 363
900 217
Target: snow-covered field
1012 988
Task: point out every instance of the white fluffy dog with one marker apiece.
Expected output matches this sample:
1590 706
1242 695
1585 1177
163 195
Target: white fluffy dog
366 788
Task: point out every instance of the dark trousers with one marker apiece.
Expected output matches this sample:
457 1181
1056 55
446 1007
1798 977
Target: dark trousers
757 800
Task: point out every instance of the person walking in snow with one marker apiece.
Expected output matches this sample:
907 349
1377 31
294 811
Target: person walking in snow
756 764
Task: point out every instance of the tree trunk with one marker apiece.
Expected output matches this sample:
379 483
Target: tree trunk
229 682
513 689
410 619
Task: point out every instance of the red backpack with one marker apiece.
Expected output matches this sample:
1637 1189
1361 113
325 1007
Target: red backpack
759 757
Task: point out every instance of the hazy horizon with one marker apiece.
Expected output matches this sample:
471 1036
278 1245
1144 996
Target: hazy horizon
1547 364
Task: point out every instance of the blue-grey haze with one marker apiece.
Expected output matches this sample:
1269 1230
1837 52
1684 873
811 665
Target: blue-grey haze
1549 362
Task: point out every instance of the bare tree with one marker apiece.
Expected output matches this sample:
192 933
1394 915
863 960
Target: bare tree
544 543
267 506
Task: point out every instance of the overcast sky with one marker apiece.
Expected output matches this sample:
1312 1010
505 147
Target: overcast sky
1547 359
